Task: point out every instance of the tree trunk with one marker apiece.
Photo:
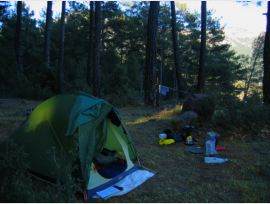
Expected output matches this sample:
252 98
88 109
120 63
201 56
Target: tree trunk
176 54
162 58
18 41
102 29
257 55
151 54
266 60
142 70
121 53
61 50
201 76
248 82
96 70
48 33
102 26
90 52
25 55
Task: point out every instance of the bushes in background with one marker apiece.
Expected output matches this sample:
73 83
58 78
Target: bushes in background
250 115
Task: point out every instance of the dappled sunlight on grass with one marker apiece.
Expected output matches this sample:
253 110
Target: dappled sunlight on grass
160 115
141 120
168 114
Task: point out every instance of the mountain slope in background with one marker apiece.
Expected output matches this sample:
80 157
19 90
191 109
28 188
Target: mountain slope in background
241 39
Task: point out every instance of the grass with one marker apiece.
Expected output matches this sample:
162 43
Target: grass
182 176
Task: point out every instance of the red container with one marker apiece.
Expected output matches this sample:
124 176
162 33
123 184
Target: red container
221 148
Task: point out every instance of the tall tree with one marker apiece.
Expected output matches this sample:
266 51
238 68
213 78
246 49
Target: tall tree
61 50
201 75
90 51
162 57
96 70
151 54
254 64
163 40
177 54
48 33
18 40
266 60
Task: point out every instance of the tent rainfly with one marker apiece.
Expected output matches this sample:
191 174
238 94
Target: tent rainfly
98 126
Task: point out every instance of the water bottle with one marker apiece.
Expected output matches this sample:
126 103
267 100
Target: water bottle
210 146
214 160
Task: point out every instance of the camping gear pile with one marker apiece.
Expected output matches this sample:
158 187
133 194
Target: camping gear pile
106 152
188 135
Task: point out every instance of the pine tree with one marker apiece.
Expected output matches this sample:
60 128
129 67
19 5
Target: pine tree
61 50
151 54
48 33
201 75
266 59
254 64
18 40
90 51
177 54
96 70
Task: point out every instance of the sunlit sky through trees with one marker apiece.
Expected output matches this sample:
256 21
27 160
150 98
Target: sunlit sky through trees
231 13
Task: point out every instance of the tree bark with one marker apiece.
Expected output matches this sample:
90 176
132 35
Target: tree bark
151 54
18 41
61 50
177 54
201 75
266 60
162 58
48 33
102 26
90 52
26 42
96 70
142 70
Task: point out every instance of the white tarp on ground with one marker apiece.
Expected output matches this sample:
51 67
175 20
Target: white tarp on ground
131 182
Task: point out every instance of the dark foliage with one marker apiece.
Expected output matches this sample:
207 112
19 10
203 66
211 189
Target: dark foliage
122 47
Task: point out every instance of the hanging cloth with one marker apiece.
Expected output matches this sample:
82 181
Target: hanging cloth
163 89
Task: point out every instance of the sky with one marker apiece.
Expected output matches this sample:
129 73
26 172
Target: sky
235 14
232 14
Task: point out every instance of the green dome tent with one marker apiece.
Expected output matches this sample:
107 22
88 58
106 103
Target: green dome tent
56 121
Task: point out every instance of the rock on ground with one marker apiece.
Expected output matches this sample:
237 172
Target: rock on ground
200 104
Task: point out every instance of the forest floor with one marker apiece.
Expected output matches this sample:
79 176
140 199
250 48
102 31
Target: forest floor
180 176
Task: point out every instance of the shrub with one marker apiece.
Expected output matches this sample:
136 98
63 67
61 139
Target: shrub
16 185
250 115
121 99
66 189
